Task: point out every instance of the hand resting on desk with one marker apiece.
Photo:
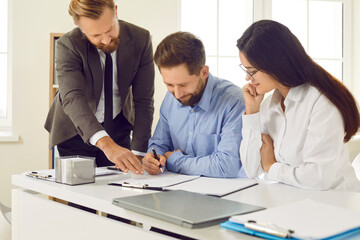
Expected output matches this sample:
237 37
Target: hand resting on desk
121 157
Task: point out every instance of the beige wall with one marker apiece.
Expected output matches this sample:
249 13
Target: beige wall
32 22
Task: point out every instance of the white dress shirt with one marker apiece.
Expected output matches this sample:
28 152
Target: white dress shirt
100 111
308 141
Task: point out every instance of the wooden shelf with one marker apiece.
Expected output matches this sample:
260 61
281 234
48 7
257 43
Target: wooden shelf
53 84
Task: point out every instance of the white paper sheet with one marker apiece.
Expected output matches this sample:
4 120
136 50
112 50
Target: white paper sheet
215 186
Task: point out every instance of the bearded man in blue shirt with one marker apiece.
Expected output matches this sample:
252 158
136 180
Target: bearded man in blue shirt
199 130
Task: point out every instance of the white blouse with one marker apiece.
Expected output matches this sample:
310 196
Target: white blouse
308 141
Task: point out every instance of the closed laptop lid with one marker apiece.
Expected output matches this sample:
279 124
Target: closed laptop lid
188 209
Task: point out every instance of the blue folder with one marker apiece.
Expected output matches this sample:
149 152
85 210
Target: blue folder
351 234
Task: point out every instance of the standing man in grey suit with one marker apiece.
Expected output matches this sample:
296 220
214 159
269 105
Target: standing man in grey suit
106 86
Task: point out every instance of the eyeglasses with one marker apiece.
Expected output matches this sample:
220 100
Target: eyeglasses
251 74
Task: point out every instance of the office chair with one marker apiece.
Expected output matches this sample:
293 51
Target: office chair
356 166
5 222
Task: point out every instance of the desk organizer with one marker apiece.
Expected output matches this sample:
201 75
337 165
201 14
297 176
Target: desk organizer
74 170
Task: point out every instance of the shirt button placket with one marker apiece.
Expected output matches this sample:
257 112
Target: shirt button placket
191 130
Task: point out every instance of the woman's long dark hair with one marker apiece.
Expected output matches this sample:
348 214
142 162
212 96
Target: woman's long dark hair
271 48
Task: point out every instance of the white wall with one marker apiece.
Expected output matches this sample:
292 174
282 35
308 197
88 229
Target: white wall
32 22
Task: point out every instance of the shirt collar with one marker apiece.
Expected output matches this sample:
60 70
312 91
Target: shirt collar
295 94
205 100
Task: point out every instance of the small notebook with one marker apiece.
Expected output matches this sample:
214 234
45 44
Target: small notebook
187 209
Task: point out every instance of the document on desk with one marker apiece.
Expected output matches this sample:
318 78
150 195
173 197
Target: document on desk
148 181
306 219
218 187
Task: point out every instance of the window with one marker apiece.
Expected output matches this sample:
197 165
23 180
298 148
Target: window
322 26
3 60
318 24
219 24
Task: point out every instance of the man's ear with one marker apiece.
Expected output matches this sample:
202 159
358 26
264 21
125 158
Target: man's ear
204 72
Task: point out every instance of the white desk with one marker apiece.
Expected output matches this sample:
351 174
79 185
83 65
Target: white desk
36 217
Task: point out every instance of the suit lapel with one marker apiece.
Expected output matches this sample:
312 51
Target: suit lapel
124 61
96 71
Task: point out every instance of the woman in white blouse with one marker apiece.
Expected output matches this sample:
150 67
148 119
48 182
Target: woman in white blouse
298 134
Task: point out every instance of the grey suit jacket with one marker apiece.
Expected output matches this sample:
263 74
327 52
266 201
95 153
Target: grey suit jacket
80 84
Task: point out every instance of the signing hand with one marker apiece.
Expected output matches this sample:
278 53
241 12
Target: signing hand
267 152
252 99
121 157
152 165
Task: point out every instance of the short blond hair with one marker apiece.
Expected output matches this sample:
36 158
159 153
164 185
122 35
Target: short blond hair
89 8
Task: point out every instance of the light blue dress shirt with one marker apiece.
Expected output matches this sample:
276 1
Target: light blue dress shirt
208 134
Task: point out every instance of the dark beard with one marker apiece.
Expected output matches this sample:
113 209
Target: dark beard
111 47
196 96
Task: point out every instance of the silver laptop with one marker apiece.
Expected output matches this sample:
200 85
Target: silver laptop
187 209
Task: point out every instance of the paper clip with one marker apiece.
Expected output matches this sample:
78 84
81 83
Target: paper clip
39 175
139 186
126 184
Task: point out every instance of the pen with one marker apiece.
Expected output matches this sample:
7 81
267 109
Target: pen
268 228
157 158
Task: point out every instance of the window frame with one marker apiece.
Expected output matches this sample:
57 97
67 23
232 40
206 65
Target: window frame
6 124
218 57
263 9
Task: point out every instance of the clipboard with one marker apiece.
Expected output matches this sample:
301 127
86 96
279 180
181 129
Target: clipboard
153 182
49 174
306 219
166 181
242 229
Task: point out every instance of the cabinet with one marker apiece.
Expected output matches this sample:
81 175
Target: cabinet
53 83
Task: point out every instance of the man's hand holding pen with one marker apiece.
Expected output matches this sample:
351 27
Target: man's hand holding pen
154 163
157 158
